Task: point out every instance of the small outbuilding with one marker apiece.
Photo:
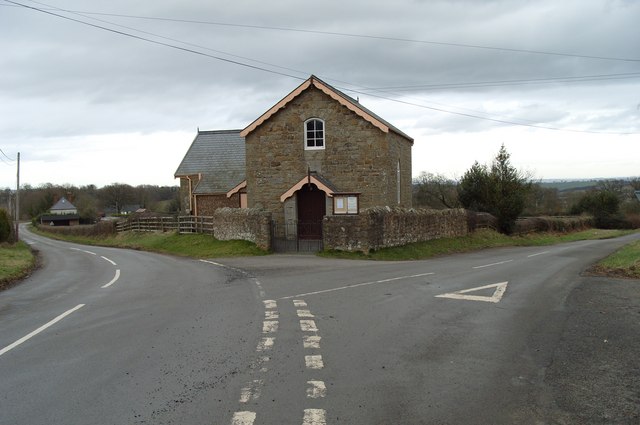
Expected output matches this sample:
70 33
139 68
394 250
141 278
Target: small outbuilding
62 213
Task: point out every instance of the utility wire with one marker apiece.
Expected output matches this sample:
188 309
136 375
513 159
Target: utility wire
82 14
502 121
366 36
501 83
160 43
5 155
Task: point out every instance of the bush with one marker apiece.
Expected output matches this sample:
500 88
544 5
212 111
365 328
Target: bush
100 229
553 224
6 230
500 190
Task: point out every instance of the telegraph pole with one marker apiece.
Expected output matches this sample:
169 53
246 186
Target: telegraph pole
18 200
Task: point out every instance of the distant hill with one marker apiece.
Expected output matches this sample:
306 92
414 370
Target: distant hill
578 184
567 186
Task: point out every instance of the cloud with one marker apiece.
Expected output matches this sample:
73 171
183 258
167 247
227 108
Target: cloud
64 81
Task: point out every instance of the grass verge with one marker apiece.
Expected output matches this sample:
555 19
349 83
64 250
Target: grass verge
479 240
194 245
16 262
623 263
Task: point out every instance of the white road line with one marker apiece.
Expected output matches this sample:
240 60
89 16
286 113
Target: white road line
251 392
299 303
83 250
223 265
111 261
308 326
40 329
314 417
269 326
213 262
261 364
259 285
357 285
311 341
316 389
314 361
493 264
495 298
265 344
243 418
270 304
114 280
539 253
271 315
304 313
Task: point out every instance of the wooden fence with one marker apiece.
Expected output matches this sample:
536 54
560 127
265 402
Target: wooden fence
181 224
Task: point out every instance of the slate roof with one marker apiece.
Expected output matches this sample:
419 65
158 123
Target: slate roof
219 157
63 204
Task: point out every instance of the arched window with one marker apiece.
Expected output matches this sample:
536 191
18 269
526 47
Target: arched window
314 134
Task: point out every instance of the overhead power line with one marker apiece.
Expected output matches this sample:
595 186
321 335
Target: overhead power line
361 91
5 156
137 37
355 35
501 83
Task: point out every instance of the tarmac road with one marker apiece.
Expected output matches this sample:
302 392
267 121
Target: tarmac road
305 340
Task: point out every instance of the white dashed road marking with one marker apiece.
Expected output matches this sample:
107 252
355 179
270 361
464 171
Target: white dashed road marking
269 326
316 389
251 392
539 253
271 315
311 341
265 343
308 326
83 250
304 313
270 304
243 418
111 261
314 361
299 303
493 264
114 280
314 417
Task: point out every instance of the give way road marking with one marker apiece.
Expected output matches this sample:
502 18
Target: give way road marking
495 298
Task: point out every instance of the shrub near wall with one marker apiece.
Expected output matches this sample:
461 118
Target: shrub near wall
102 228
553 224
376 228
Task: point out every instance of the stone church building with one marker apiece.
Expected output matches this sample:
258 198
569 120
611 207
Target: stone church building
316 152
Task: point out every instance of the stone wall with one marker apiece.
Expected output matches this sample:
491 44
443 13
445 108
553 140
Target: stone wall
243 223
376 228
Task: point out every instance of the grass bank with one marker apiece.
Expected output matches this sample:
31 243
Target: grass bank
16 261
479 240
623 263
189 245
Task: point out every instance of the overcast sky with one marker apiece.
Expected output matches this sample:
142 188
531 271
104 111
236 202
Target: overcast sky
556 82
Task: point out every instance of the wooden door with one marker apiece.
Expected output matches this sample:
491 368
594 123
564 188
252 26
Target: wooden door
311 211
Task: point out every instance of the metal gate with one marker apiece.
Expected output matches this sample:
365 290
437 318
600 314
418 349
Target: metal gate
296 236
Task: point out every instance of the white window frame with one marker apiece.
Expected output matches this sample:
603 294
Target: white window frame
324 138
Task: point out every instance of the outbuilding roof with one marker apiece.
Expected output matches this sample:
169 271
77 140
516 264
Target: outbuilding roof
218 157
63 204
